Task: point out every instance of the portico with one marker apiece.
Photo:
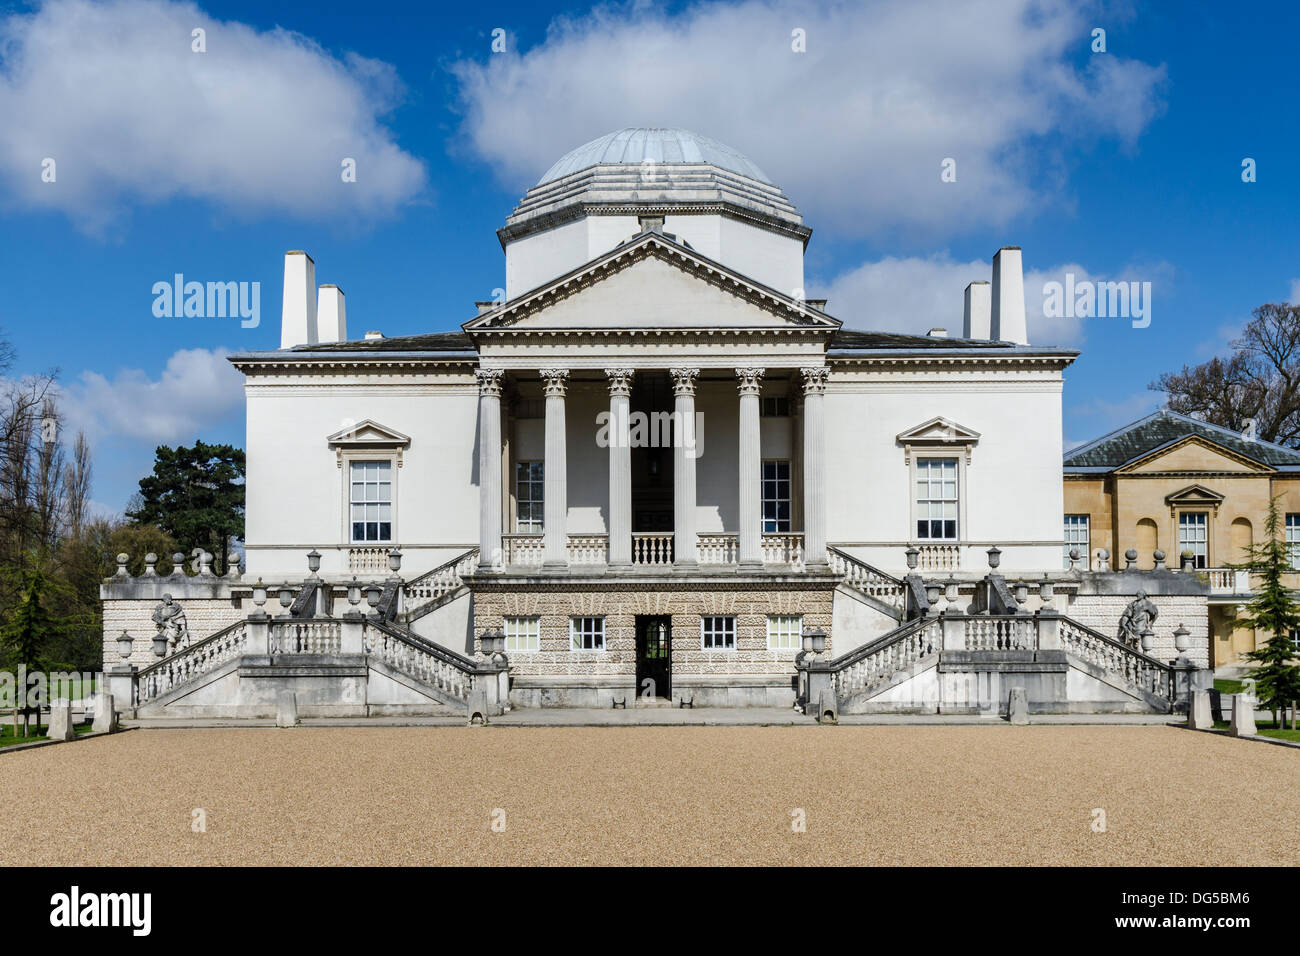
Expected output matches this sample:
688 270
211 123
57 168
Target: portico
649 513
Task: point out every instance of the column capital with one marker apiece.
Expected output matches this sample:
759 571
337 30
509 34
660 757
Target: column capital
489 381
620 381
555 381
814 380
684 380
750 380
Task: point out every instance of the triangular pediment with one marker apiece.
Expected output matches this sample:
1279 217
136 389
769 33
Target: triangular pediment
652 283
1194 454
370 434
1194 495
938 430
938 433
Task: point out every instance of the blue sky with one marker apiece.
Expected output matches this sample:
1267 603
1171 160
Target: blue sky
1117 165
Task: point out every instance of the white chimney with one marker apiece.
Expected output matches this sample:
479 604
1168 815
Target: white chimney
1008 323
977 316
298 315
331 315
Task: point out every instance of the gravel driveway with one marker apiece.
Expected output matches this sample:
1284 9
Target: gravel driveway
665 795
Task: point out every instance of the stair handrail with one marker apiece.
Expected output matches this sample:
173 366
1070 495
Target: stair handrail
453 673
392 629
1149 674
189 662
880 643
880 585
449 570
190 649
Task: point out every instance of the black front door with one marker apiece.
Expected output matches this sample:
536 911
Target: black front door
654 656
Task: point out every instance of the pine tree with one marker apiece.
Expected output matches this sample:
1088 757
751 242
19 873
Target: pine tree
29 628
1272 611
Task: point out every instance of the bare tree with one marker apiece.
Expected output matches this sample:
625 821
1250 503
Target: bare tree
1259 381
76 486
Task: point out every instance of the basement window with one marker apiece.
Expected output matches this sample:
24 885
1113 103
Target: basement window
587 633
718 633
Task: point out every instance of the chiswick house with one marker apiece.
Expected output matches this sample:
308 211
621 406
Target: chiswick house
654 473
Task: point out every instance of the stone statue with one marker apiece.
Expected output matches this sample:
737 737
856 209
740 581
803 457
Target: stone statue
169 618
1139 616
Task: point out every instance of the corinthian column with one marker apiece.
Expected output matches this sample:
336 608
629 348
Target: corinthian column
489 468
685 545
555 492
814 465
620 467
750 533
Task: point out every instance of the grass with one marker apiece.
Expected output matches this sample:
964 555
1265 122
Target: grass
1267 728
7 738
1229 686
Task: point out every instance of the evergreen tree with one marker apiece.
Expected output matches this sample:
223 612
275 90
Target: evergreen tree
1274 612
29 628
196 495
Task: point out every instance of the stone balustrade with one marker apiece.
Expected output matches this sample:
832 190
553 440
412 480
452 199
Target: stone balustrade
310 636
654 549
187 664
1002 633
782 549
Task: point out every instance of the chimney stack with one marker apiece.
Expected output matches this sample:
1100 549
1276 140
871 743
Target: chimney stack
298 315
977 317
1008 323
331 315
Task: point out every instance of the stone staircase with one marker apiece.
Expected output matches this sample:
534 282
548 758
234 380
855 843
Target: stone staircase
870 585
425 594
352 665
955 662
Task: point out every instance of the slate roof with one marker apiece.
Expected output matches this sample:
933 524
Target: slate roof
428 342
844 340
1165 428
864 339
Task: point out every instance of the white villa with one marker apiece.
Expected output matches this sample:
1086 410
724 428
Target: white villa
653 471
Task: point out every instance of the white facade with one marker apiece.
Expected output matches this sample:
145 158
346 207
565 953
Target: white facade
657 472
697 267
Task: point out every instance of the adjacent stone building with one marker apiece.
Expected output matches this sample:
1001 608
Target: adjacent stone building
1171 483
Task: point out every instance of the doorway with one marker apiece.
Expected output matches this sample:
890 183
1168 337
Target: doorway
654 655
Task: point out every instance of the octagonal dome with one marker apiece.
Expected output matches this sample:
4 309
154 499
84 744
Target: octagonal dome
666 145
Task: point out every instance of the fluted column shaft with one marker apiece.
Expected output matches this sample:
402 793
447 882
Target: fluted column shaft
685 544
814 465
620 466
750 534
489 468
555 506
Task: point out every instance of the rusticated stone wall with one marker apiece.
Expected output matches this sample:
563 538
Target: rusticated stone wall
686 601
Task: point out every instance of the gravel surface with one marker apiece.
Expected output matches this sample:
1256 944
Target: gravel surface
658 795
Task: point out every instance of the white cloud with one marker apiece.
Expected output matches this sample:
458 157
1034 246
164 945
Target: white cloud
856 128
1295 292
262 121
197 389
915 294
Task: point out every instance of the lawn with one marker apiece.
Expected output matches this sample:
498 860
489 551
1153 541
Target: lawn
1229 686
1267 728
7 738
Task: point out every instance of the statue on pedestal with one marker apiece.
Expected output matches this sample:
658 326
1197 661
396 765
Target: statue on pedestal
169 618
1138 617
